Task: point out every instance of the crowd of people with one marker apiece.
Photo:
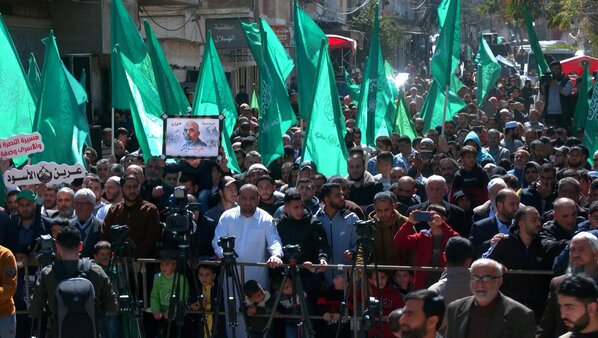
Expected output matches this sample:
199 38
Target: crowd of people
506 186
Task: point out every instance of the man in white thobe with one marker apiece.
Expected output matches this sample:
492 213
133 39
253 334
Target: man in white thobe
255 233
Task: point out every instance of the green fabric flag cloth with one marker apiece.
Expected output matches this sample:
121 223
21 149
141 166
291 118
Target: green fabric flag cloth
488 70
403 121
583 103
124 33
213 96
174 101
255 100
84 134
591 129
444 63
276 113
374 93
543 67
144 102
283 64
434 106
324 138
58 117
308 39
17 100
352 88
34 76
448 49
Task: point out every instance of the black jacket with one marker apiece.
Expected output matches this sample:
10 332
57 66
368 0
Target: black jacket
93 236
481 234
306 232
529 290
554 238
455 217
531 198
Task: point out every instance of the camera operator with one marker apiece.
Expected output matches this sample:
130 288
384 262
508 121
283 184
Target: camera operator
556 90
68 265
297 226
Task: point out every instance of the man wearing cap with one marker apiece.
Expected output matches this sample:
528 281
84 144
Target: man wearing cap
142 218
556 90
112 190
488 209
574 158
510 140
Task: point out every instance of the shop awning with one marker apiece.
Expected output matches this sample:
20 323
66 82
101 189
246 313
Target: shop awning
573 65
337 42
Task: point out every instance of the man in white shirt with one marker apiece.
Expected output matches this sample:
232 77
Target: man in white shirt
254 233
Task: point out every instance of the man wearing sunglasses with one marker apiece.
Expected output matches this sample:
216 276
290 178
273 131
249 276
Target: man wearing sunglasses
485 313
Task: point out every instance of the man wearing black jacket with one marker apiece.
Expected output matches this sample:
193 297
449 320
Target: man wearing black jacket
542 193
297 226
556 234
523 250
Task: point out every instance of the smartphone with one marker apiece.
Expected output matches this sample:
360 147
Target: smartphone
422 216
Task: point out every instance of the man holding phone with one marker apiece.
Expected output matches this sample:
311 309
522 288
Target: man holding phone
427 245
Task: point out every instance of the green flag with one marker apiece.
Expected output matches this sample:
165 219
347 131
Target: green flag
324 138
591 128
308 39
403 122
58 116
444 63
213 96
352 88
255 101
124 33
488 70
34 75
172 97
84 134
283 64
533 42
583 104
17 102
276 113
374 92
144 102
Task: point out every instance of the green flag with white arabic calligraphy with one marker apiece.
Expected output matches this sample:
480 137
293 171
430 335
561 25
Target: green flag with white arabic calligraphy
583 103
58 118
591 128
213 96
324 138
488 70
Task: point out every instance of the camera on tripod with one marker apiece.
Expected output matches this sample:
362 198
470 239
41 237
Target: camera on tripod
292 252
179 220
365 229
227 243
45 250
119 235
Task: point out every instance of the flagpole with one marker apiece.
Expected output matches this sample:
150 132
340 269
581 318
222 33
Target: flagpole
446 99
112 141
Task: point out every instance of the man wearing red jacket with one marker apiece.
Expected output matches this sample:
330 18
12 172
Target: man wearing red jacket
428 244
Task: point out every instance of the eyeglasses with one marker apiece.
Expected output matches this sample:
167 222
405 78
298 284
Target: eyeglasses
485 279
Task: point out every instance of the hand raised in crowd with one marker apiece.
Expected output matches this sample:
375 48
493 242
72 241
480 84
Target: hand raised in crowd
543 190
348 255
497 238
442 144
436 220
274 261
309 266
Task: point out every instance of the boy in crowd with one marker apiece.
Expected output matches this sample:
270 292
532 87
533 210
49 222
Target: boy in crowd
471 178
389 298
205 302
259 302
160 298
329 307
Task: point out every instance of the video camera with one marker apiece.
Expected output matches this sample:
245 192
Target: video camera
292 252
119 234
45 250
179 220
365 229
227 243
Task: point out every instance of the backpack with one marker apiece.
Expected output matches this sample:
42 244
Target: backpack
75 299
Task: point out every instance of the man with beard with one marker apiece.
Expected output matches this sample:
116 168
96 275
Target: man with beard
578 300
112 191
488 209
542 193
583 259
65 203
523 250
557 233
574 158
363 187
494 148
448 168
422 314
153 188
405 190
488 231
486 313
142 218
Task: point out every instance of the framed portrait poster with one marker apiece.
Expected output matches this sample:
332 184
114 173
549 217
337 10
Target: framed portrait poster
192 136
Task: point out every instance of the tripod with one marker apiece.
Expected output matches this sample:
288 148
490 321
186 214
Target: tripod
229 281
365 243
45 257
292 272
121 267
